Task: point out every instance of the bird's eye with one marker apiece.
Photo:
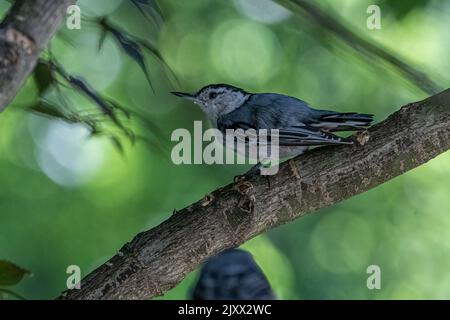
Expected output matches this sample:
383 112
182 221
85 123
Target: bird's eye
213 95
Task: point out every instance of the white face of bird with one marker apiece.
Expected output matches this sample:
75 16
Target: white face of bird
216 100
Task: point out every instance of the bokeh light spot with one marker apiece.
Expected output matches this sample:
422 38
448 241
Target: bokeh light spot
265 11
342 243
98 8
99 67
245 51
68 156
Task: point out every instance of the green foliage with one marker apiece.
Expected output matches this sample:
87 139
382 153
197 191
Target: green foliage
400 9
43 77
10 275
68 197
49 73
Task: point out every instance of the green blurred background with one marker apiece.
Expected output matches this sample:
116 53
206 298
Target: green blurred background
67 198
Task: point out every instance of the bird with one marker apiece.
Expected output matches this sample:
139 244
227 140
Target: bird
299 125
232 275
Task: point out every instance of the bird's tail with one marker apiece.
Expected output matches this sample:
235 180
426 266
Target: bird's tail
334 121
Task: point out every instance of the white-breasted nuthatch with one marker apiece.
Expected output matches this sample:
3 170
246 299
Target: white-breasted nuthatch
299 125
232 275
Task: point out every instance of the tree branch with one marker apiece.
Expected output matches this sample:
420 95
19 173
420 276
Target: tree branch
24 33
157 260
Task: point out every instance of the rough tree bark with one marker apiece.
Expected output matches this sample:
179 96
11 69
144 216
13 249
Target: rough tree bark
24 33
158 259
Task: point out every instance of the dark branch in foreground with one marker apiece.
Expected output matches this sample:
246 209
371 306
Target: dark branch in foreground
24 33
157 260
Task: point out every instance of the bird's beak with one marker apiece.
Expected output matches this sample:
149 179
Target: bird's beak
183 95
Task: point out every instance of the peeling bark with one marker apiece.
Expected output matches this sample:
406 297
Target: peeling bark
157 260
24 33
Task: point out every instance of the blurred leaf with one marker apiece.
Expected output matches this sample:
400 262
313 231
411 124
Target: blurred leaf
401 9
43 76
153 50
84 87
48 109
118 144
102 39
148 8
106 105
11 274
81 85
118 106
131 48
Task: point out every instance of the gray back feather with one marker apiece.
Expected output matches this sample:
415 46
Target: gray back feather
271 111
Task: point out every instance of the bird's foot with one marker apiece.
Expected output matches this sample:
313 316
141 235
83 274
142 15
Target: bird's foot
256 169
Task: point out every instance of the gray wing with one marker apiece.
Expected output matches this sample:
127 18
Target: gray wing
292 117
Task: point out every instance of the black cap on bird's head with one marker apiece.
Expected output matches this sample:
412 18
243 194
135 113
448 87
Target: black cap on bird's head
212 89
214 99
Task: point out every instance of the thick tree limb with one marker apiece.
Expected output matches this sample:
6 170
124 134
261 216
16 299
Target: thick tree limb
158 259
24 33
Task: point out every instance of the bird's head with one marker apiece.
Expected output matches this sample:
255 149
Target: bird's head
216 99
